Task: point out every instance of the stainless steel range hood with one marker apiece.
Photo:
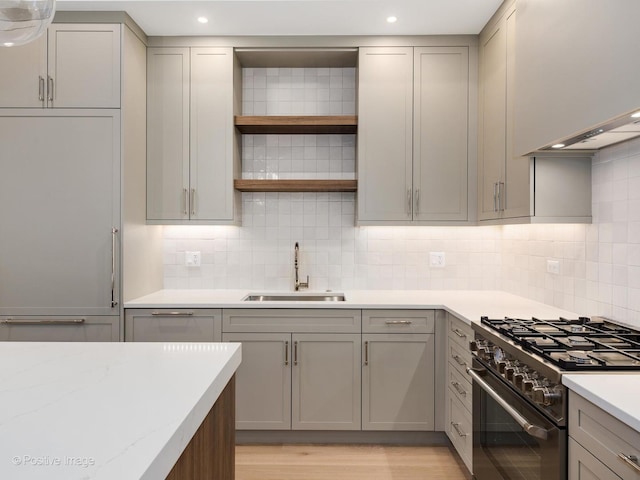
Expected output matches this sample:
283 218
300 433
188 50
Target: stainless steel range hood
617 130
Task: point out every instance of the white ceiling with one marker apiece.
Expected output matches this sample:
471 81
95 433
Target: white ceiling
299 17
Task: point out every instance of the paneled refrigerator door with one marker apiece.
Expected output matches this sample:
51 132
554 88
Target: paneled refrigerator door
60 212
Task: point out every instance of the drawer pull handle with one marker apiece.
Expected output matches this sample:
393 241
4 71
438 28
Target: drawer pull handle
51 321
456 427
459 333
459 361
459 389
171 314
398 322
630 460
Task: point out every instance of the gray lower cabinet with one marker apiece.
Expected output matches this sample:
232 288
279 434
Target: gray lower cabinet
398 385
600 445
300 368
173 325
326 382
67 328
398 382
458 393
263 381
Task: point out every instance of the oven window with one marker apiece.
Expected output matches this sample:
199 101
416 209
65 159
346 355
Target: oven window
503 450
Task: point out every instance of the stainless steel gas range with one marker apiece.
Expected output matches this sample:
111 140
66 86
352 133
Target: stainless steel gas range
519 402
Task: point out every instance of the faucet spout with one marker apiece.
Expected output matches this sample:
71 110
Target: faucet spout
298 284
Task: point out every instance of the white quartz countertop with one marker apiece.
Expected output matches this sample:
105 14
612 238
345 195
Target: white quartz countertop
615 393
105 410
468 305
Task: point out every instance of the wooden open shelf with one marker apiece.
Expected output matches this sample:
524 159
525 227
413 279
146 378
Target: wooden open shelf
292 124
295 185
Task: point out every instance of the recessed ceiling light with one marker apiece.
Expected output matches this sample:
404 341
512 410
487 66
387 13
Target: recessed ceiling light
392 19
636 115
8 44
558 145
203 20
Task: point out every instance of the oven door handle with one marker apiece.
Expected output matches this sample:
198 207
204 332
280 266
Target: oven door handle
532 429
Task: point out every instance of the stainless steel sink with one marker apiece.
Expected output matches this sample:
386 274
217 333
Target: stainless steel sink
292 297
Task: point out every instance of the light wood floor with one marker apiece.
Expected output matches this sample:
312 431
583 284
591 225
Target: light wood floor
346 462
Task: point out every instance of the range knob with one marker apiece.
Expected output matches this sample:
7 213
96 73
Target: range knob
502 365
511 370
520 377
485 353
546 396
529 384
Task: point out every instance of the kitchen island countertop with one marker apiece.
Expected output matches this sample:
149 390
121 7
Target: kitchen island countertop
105 410
468 305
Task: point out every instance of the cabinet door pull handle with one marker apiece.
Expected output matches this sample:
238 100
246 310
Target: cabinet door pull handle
630 460
459 333
295 353
459 361
417 201
366 353
398 322
495 196
500 196
171 314
50 88
41 88
185 199
456 427
409 201
459 389
114 233
48 321
192 201
286 353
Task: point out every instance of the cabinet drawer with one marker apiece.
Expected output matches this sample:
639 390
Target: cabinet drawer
63 328
283 320
459 386
604 436
459 358
459 332
459 429
173 325
398 321
584 466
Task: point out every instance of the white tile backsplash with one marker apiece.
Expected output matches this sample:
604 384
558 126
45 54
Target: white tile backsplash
599 263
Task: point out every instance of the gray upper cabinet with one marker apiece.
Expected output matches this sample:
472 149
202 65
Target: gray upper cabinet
59 204
385 134
413 141
514 189
72 66
190 146
576 67
440 124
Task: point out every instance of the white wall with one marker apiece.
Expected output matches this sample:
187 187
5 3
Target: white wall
600 263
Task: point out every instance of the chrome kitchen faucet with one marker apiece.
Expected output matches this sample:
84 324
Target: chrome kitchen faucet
298 284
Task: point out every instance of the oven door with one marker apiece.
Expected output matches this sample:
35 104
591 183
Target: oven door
511 439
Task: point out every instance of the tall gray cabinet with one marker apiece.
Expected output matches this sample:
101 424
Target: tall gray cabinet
62 193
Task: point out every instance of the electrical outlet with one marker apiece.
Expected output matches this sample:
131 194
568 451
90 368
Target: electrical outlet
553 266
436 259
192 259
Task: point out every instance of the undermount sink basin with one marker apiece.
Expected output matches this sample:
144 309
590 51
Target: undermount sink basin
293 297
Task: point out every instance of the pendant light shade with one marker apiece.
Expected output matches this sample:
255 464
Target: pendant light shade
22 21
